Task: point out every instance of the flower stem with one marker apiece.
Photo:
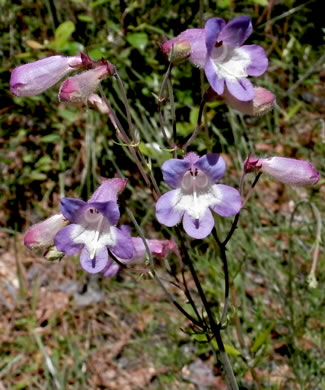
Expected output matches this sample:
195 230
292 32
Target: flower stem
215 328
198 126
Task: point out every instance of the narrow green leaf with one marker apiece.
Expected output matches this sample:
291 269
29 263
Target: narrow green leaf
138 40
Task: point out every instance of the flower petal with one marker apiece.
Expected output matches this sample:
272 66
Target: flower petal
173 171
165 211
259 60
212 30
108 190
216 83
123 247
198 228
95 265
230 201
64 243
213 165
236 31
111 270
109 210
241 89
72 208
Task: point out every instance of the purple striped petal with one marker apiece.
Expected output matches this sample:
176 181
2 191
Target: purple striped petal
198 228
213 165
95 265
212 30
236 31
173 171
259 60
216 83
109 210
64 243
72 208
165 212
230 201
241 89
123 247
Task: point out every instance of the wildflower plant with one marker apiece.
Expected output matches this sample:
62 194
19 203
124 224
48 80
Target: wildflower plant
199 191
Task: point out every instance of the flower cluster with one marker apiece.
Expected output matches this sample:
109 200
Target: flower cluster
89 229
36 77
219 49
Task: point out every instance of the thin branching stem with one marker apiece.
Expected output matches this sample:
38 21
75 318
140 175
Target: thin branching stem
198 126
161 100
157 278
223 255
132 148
215 328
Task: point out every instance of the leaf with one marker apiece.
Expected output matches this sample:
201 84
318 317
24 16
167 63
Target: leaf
228 348
224 3
261 2
35 175
63 33
262 337
51 138
138 40
86 18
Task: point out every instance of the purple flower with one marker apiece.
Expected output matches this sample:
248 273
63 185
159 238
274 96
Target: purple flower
261 104
195 194
79 88
158 248
219 49
92 230
36 77
286 170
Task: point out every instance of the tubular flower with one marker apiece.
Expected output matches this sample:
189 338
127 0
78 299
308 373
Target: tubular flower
195 193
79 88
219 49
42 234
286 170
36 77
158 248
92 230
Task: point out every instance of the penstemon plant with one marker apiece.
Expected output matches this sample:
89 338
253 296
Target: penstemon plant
90 229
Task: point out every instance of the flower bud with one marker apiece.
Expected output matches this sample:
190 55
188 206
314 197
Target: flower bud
79 88
36 77
252 164
158 248
190 44
42 234
286 170
52 254
262 103
177 51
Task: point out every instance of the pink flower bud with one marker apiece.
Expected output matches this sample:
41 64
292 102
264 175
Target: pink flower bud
252 164
79 88
158 248
262 103
36 77
285 170
42 234
176 50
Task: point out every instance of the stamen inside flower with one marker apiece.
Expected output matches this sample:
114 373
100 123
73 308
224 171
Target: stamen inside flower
95 220
193 183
